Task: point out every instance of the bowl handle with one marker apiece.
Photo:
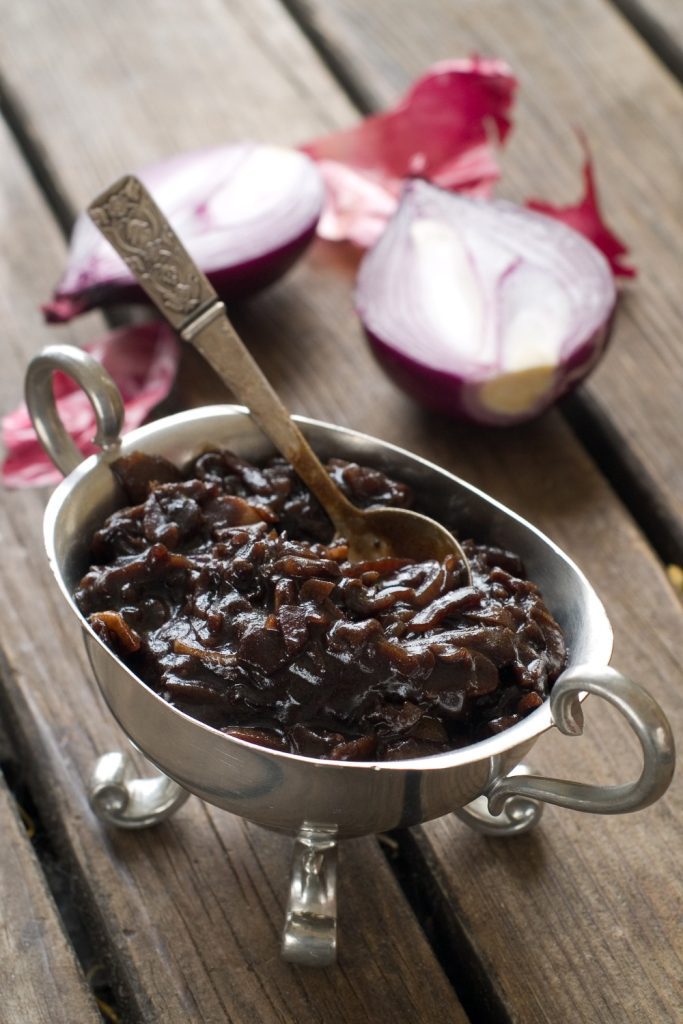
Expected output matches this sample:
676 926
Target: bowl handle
119 798
310 933
645 717
99 387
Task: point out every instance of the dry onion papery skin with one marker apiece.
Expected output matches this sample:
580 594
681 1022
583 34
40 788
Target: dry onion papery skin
245 212
481 309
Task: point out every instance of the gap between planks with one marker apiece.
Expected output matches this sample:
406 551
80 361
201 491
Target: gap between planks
660 23
40 978
36 158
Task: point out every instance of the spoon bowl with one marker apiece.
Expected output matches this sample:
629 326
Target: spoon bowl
397 532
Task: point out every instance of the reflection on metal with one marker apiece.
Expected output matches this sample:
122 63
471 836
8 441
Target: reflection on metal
310 933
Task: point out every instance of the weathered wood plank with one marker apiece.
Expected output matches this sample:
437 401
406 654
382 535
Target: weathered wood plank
40 979
305 335
604 80
189 914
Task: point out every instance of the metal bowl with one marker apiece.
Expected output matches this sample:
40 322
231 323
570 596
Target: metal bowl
321 801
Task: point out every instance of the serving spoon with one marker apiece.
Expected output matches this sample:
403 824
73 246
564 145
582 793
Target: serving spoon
134 225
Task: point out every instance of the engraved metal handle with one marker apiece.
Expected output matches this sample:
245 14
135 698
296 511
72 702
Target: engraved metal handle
642 713
99 387
136 228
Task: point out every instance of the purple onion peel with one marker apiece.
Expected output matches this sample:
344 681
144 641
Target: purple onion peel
245 212
482 309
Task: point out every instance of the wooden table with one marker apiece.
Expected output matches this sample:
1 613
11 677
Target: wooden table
580 921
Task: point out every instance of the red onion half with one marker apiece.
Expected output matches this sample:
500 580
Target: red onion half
482 309
245 213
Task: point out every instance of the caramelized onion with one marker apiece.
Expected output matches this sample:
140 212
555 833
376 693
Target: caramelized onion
278 640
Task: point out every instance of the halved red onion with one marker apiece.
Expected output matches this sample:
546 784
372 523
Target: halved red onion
482 309
245 213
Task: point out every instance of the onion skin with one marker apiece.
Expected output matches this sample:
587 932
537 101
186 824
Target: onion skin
585 216
253 253
393 304
447 128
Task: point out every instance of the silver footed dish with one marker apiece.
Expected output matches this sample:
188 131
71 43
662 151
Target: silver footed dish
317 801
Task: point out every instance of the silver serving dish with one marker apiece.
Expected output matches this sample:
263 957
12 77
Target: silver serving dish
317 801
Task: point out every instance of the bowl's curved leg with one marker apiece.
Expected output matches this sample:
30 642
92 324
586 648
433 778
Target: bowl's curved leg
519 815
118 798
310 933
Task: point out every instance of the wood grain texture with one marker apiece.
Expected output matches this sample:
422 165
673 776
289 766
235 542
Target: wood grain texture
40 980
569 890
188 915
604 80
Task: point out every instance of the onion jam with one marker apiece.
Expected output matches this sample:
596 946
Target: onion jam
223 588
